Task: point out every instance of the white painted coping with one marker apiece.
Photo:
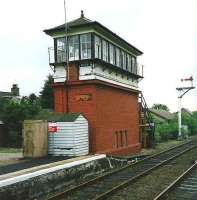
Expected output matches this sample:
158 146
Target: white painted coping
24 177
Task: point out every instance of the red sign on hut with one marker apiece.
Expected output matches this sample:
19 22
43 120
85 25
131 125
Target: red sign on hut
52 127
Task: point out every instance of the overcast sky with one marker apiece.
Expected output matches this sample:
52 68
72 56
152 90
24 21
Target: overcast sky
165 30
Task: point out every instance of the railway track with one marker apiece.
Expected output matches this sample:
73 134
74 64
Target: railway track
103 186
184 187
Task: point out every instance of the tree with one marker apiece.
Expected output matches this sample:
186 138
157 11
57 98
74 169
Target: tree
31 104
13 113
46 95
33 99
166 130
159 106
191 123
195 115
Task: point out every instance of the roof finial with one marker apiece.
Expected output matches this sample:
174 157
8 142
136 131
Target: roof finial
82 14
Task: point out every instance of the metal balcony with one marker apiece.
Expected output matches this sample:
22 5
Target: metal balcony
61 55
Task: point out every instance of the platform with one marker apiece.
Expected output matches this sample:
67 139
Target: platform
24 174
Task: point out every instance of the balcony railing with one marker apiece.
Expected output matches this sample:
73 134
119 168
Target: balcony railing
51 54
139 69
61 55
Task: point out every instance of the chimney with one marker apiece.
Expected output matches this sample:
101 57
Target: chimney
82 14
15 90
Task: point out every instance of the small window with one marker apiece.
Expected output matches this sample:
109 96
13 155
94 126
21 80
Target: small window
111 54
121 139
125 139
105 50
61 49
124 61
97 47
118 64
85 43
74 48
134 65
116 140
129 66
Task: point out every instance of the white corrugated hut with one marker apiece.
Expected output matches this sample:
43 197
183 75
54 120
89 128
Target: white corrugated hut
71 138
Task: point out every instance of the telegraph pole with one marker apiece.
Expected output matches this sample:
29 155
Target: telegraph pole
67 58
66 41
182 91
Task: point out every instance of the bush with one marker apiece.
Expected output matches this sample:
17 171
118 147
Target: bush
191 122
165 131
13 113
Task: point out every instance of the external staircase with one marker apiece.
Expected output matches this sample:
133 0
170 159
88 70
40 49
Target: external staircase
147 128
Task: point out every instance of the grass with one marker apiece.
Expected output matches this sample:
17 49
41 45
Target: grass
10 150
161 146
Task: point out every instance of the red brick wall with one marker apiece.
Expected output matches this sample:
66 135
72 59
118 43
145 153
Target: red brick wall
87 107
60 98
117 110
109 109
73 72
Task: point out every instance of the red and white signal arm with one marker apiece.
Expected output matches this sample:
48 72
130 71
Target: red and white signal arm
52 127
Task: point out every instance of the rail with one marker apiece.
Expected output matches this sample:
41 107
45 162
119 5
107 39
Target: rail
174 184
103 186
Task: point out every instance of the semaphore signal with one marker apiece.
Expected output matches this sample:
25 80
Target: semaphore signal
182 91
187 79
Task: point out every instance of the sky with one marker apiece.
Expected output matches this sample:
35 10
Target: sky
165 30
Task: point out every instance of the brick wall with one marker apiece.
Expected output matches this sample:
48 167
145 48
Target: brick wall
117 114
73 72
60 98
112 113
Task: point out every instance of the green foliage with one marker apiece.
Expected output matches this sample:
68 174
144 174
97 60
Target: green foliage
191 122
46 95
195 115
166 131
169 130
17 111
158 106
14 112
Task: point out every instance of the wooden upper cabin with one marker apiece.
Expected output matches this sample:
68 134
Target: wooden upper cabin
97 51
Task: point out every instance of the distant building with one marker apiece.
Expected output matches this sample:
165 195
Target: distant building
162 115
13 94
187 112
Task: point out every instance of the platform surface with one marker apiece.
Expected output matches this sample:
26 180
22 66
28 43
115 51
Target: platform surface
23 174
11 164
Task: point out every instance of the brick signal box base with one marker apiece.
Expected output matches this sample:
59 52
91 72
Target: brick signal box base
112 112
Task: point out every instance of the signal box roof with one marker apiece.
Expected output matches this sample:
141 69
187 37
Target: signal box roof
83 22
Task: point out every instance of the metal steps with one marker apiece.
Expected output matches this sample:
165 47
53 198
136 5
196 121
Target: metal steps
146 123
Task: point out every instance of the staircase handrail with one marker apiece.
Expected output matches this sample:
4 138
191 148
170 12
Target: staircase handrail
147 113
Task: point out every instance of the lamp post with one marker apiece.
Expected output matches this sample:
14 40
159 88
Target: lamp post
182 91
